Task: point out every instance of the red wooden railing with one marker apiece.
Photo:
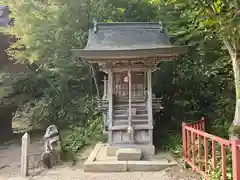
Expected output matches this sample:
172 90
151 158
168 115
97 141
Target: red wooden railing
192 137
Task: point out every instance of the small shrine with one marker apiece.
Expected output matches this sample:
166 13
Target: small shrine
128 53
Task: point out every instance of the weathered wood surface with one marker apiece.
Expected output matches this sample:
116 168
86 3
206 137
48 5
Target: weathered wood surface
24 155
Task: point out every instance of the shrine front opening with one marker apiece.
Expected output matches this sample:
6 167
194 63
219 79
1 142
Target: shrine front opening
121 84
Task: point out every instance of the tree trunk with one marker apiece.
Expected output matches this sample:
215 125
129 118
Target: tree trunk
234 52
5 123
235 56
95 81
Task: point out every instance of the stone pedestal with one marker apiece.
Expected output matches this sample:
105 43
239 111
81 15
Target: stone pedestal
129 154
147 150
24 155
124 159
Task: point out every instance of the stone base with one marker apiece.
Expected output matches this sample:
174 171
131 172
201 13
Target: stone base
129 154
147 150
99 162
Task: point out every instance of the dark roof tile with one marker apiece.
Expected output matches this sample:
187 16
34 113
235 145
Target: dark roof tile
127 35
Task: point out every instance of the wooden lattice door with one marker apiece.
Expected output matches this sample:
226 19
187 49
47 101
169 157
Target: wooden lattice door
121 86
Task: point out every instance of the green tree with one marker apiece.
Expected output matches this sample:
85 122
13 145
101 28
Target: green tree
225 16
201 22
46 33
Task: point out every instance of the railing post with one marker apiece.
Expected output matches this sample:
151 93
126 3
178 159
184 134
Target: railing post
206 153
236 159
184 145
203 124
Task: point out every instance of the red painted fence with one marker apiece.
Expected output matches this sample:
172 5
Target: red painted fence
197 154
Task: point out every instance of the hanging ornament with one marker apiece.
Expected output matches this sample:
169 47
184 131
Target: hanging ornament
125 79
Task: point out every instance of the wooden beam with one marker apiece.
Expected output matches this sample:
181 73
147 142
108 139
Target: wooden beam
150 115
110 108
135 127
123 69
144 82
129 98
105 87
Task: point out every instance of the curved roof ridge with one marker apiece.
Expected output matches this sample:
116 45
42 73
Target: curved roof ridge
127 25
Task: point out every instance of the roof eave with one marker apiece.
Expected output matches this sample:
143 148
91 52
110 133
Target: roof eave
171 51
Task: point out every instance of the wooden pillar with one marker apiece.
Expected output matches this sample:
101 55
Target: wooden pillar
130 127
144 81
150 115
129 98
104 121
105 88
110 107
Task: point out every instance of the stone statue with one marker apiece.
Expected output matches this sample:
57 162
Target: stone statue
52 145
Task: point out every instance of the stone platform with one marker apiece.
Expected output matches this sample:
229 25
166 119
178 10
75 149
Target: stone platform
99 161
147 150
129 154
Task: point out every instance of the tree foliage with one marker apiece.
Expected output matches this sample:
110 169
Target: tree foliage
217 20
46 32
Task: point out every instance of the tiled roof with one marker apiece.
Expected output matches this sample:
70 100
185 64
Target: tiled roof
128 40
127 35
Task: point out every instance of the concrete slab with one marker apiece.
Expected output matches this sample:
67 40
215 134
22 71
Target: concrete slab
102 155
94 153
16 178
158 165
106 166
91 165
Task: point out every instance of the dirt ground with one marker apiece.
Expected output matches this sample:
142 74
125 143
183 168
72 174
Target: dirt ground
10 168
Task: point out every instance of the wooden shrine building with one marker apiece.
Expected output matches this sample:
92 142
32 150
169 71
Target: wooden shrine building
128 52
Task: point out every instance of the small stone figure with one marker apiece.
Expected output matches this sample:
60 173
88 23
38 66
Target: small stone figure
52 144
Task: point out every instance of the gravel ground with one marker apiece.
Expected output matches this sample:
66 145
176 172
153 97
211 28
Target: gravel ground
10 169
69 173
